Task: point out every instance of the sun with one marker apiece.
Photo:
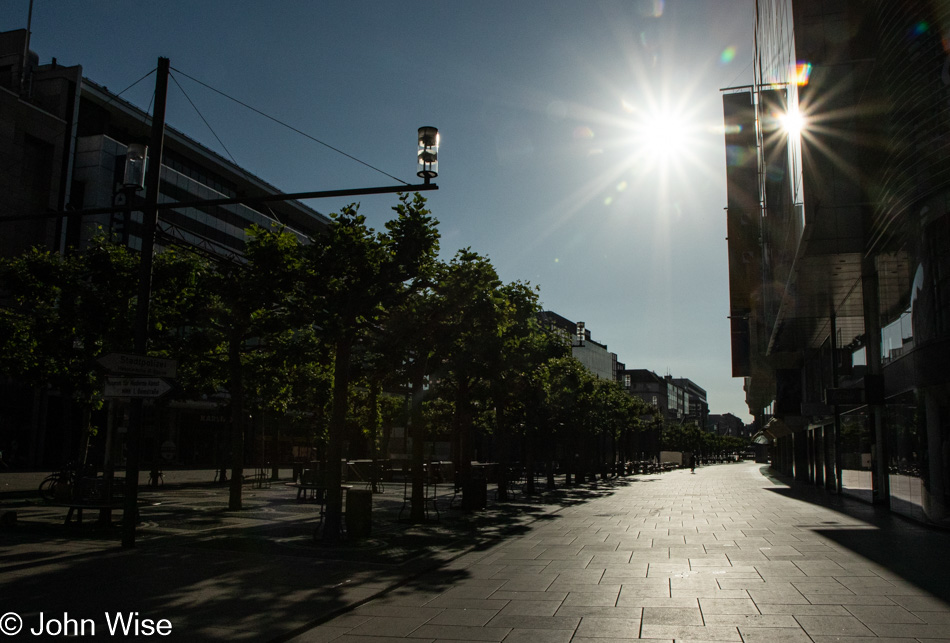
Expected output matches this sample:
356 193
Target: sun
661 136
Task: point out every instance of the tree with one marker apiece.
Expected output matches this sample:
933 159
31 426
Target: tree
66 311
567 386
353 275
522 348
472 308
245 308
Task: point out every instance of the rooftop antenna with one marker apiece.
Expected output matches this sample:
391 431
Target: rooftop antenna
26 49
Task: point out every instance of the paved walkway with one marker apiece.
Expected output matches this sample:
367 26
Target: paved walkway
725 554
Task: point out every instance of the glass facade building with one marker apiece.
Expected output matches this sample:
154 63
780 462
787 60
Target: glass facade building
839 245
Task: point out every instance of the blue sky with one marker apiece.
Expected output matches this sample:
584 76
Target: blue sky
581 141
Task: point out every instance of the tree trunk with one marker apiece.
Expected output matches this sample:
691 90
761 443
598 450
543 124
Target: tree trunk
466 447
417 509
503 448
333 522
529 466
373 433
236 389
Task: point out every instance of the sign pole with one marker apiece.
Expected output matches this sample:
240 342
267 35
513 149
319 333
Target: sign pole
149 222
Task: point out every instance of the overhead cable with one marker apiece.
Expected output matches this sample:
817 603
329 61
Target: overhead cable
290 127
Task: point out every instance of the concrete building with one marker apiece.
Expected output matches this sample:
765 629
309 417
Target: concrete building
593 355
660 391
726 424
63 142
697 408
838 232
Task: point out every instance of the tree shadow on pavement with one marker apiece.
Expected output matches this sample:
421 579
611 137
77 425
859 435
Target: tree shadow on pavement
255 574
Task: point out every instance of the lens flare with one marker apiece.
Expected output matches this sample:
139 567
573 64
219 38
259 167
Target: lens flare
583 132
652 8
802 73
792 122
727 55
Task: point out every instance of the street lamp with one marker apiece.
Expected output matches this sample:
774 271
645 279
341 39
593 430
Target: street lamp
133 182
133 178
428 154
143 170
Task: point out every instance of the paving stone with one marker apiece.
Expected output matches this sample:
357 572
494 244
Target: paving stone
607 627
460 633
933 617
523 621
391 626
846 599
539 636
833 626
630 594
582 611
777 635
530 608
672 616
690 632
712 592
919 631
727 606
882 614
751 620
377 608
458 616
547 596
921 603
591 598
869 639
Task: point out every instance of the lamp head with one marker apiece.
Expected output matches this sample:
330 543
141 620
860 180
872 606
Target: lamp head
427 155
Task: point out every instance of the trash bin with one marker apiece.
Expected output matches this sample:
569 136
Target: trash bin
359 513
475 494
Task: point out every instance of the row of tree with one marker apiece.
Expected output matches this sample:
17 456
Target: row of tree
688 437
307 327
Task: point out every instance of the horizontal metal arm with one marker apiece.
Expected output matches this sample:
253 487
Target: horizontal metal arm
241 200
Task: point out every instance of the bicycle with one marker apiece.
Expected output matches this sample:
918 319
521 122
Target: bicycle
61 484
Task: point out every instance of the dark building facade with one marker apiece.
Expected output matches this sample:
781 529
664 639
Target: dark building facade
839 245
63 143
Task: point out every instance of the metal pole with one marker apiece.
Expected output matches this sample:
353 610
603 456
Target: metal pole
242 200
149 221
839 474
26 49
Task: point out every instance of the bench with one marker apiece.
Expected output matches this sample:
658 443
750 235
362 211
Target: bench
90 493
308 491
77 508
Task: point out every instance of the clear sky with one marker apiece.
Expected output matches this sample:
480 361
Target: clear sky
582 147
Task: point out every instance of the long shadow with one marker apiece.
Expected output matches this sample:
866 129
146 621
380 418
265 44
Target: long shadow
255 574
914 551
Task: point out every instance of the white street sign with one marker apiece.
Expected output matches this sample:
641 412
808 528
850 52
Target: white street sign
146 387
127 364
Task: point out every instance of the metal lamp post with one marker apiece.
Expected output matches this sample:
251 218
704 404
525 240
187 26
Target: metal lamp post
428 161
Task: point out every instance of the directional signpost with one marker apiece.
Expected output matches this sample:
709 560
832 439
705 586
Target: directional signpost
136 378
128 364
143 387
